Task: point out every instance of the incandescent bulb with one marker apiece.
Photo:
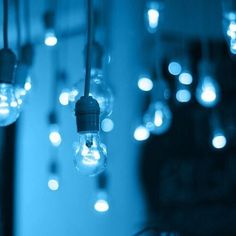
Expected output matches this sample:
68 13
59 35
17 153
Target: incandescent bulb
101 204
158 118
98 90
54 135
53 183
9 107
50 38
152 15
207 92
90 154
219 141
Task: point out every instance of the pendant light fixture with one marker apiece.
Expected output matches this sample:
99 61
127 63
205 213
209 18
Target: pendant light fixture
90 153
158 117
9 108
101 204
50 38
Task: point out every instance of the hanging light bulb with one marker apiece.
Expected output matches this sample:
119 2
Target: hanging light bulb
9 107
54 132
53 181
158 118
218 139
152 15
50 38
229 23
101 203
90 153
208 90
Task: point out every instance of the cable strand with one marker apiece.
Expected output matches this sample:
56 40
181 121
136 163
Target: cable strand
5 23
88 48
18 27
27 21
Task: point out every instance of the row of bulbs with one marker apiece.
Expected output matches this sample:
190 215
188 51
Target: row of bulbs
158 117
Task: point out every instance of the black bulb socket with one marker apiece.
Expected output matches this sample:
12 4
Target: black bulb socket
87 113
7 66
52 118
49 19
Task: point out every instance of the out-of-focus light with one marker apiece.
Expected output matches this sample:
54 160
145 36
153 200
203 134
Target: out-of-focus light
50 38
231 32
219 141
64 97
207 92
183 95
145 84
174 68
153 18
101 205
27 86
55 136
107 125
141 133
233 45
185 78
158 118
53 184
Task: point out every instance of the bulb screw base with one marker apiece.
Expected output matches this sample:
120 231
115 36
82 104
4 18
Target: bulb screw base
87 113
7 66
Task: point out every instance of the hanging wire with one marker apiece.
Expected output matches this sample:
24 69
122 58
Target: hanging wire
56 70
18 26
89 47
5 23
27 21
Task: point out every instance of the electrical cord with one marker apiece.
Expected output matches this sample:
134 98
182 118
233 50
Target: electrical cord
88 48
27 20
18 26
5 23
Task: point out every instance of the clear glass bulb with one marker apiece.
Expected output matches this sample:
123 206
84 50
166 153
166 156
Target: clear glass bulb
9 107
158 118
98 90
90 154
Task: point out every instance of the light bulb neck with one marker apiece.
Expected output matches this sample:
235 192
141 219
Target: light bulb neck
87 113
7 66
49 19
